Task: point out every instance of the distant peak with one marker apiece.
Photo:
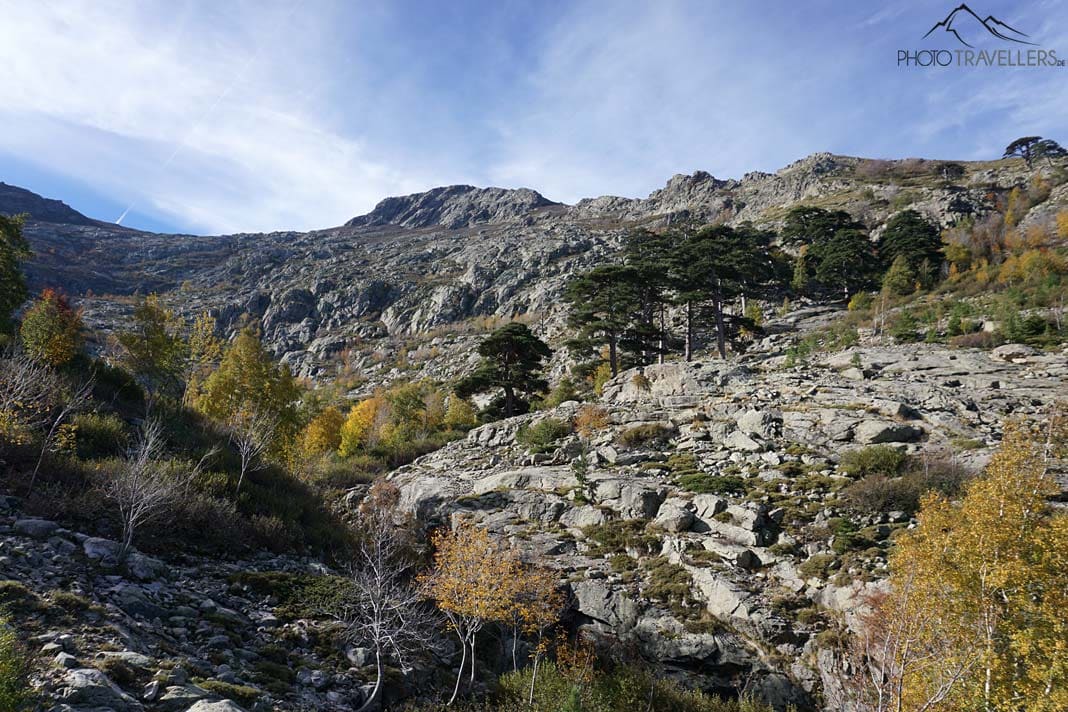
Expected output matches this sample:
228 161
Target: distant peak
454 206
15 201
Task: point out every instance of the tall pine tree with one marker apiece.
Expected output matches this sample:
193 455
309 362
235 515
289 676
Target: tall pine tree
512 361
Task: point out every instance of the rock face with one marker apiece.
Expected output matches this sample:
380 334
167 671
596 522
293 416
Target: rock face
453 207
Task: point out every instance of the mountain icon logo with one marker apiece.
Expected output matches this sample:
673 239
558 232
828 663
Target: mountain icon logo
964 24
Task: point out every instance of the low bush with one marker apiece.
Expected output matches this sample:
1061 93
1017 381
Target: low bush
15 668
703 483
99 435
241 694
16 597
817 566
624 688
976 340
875 459
619 535
672 585
591 419
541 436
879 493
297 595
645 434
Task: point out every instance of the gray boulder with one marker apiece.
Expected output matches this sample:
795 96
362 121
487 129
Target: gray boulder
36 528
220 706
89 687
871 432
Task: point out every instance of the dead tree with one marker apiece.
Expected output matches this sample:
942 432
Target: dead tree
146 485
386 610
252 432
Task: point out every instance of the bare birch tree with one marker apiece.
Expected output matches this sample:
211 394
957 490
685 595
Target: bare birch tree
386 611
146 485
252 431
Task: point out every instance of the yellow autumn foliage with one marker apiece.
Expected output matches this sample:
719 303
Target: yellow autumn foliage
989 575
323 432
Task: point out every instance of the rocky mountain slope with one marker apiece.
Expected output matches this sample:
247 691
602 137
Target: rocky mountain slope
731 588
374 294
739 585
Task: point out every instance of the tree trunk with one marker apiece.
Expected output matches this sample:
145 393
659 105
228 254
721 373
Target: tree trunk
240 479
721 336
533 678
662 343
613 360
372 701
515 644
471 679
460 672
509 402
689 331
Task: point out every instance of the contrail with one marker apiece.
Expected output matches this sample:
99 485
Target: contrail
238 76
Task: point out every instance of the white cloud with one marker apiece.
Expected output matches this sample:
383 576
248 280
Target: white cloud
106 91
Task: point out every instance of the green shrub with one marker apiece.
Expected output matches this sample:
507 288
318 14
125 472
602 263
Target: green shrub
269 671
99 435
331 472
618 535
816 566
541 436
241 694
15 668
874 459
17 598
672 585
703 483
122 673
69 602
298 595
645 434
904 328
847 536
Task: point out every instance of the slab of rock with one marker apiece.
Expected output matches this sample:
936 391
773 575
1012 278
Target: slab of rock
871 432
740 441
675 515
102 551
36 528
89 687
605 604
220 706
1013 352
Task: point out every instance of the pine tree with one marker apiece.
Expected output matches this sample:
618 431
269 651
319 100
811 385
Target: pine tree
651 257
603 303
722 263
845 262
899 279
836 254
512 362
908 234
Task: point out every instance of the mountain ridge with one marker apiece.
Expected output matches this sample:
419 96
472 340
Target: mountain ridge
436 264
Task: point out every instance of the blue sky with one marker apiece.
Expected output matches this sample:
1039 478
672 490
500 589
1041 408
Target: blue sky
205 116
